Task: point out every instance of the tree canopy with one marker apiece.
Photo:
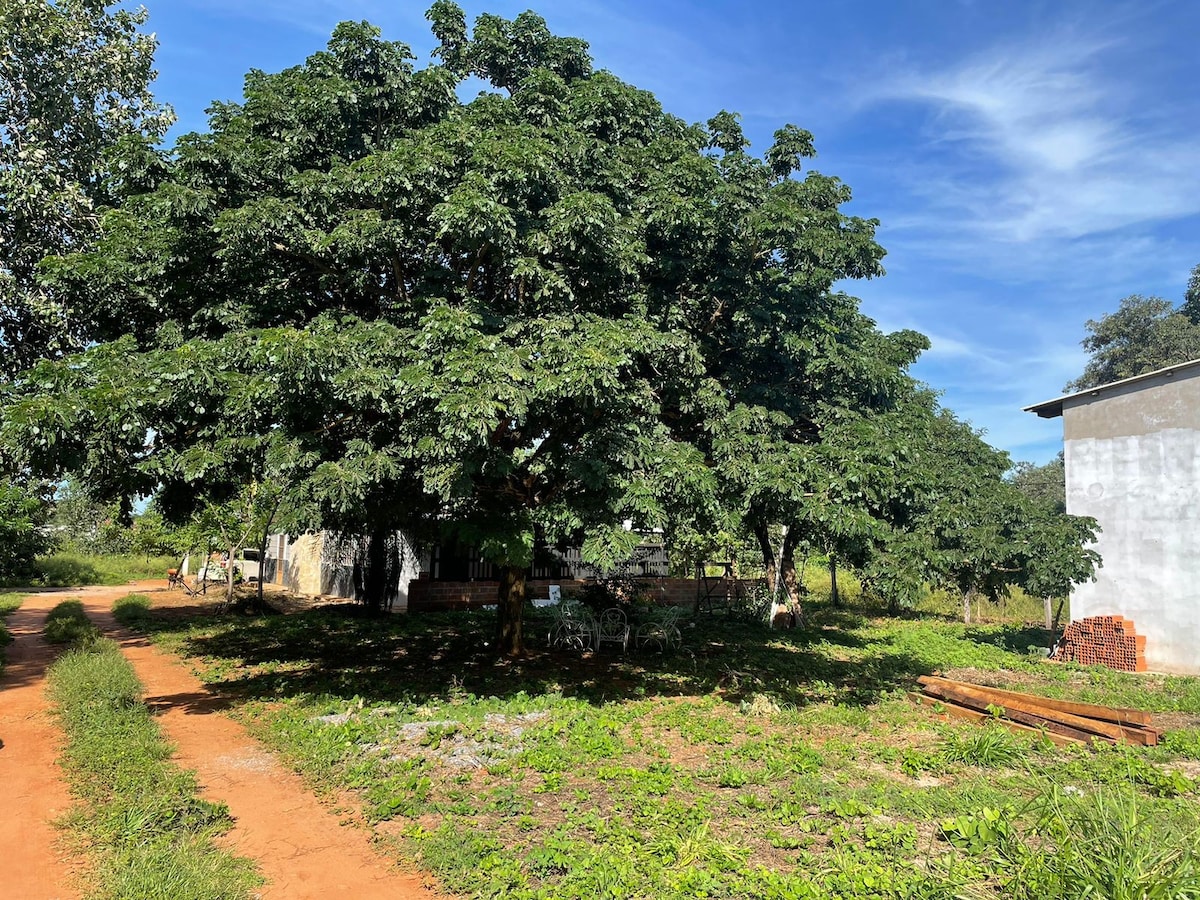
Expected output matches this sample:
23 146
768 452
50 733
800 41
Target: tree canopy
524 317
74 91
1144 334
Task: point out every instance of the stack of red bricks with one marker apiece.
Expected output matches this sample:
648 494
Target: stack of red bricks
1103 640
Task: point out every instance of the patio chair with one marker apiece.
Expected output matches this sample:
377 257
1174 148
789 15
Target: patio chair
572 627
612 628
661 631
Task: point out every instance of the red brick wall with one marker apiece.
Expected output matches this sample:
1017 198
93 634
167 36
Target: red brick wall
426 595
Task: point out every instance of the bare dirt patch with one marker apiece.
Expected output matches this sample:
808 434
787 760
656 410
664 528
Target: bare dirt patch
301 847
34 791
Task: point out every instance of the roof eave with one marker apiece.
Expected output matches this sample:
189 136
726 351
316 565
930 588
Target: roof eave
1052 409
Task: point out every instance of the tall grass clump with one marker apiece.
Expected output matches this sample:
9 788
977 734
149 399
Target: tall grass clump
990 747
67 623
1103 842
148 832
132 610
8 604
72 569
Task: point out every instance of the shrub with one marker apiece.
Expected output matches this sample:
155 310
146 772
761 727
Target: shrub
992 746
132 610
67 623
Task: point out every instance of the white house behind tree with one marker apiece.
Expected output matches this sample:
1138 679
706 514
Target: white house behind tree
1132 451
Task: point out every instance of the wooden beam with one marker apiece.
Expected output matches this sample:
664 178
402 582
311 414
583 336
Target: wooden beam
984 704
1116 715
961 712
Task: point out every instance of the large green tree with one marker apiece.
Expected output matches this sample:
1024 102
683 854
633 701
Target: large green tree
74 91
507 318
527 317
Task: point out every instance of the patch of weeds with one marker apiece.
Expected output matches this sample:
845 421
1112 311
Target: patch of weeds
1183 742
67 623
914 762
1101 842
132 610
9 603
978 832
992 746
149 833
1124 766
657 779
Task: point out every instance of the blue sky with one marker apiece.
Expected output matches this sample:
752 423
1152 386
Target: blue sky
1031 162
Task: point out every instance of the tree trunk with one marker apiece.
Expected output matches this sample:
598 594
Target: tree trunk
834 597
229 576
792 585
511 605
763 535
1049 614
375 574
967 607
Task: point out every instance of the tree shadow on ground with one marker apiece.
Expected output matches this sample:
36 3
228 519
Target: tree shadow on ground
341 651
1013 638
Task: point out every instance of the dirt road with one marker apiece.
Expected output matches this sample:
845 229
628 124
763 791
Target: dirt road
298 844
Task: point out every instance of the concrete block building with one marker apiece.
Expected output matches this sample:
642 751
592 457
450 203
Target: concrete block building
1132 451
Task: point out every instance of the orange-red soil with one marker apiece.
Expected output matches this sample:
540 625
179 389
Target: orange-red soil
298 844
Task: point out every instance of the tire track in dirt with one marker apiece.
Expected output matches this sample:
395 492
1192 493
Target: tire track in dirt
34 792
298 844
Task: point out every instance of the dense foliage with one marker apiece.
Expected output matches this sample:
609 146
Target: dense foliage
23 533
74 88
1144 334
524 318
1046 483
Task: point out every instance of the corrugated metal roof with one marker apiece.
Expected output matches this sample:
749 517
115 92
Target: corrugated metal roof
1053 408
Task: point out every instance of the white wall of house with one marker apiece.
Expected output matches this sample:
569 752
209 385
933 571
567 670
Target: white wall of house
1133 463
309 564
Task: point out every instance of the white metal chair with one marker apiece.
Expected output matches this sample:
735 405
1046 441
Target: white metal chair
612 628
661 631
572 627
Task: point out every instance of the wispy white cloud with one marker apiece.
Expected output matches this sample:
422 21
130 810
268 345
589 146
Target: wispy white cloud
1050 139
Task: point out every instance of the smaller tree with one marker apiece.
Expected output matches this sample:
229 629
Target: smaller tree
243 520
23 534
1045 484
1144 334
88 524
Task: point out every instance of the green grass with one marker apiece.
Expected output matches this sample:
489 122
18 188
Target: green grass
132 610
67 623
9 603
752 763
79 569
139 818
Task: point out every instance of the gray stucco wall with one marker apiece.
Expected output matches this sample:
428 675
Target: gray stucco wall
1133 463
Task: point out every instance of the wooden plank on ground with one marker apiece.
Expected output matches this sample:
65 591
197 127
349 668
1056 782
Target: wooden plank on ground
983 703
962 712
1096 726
1115 714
